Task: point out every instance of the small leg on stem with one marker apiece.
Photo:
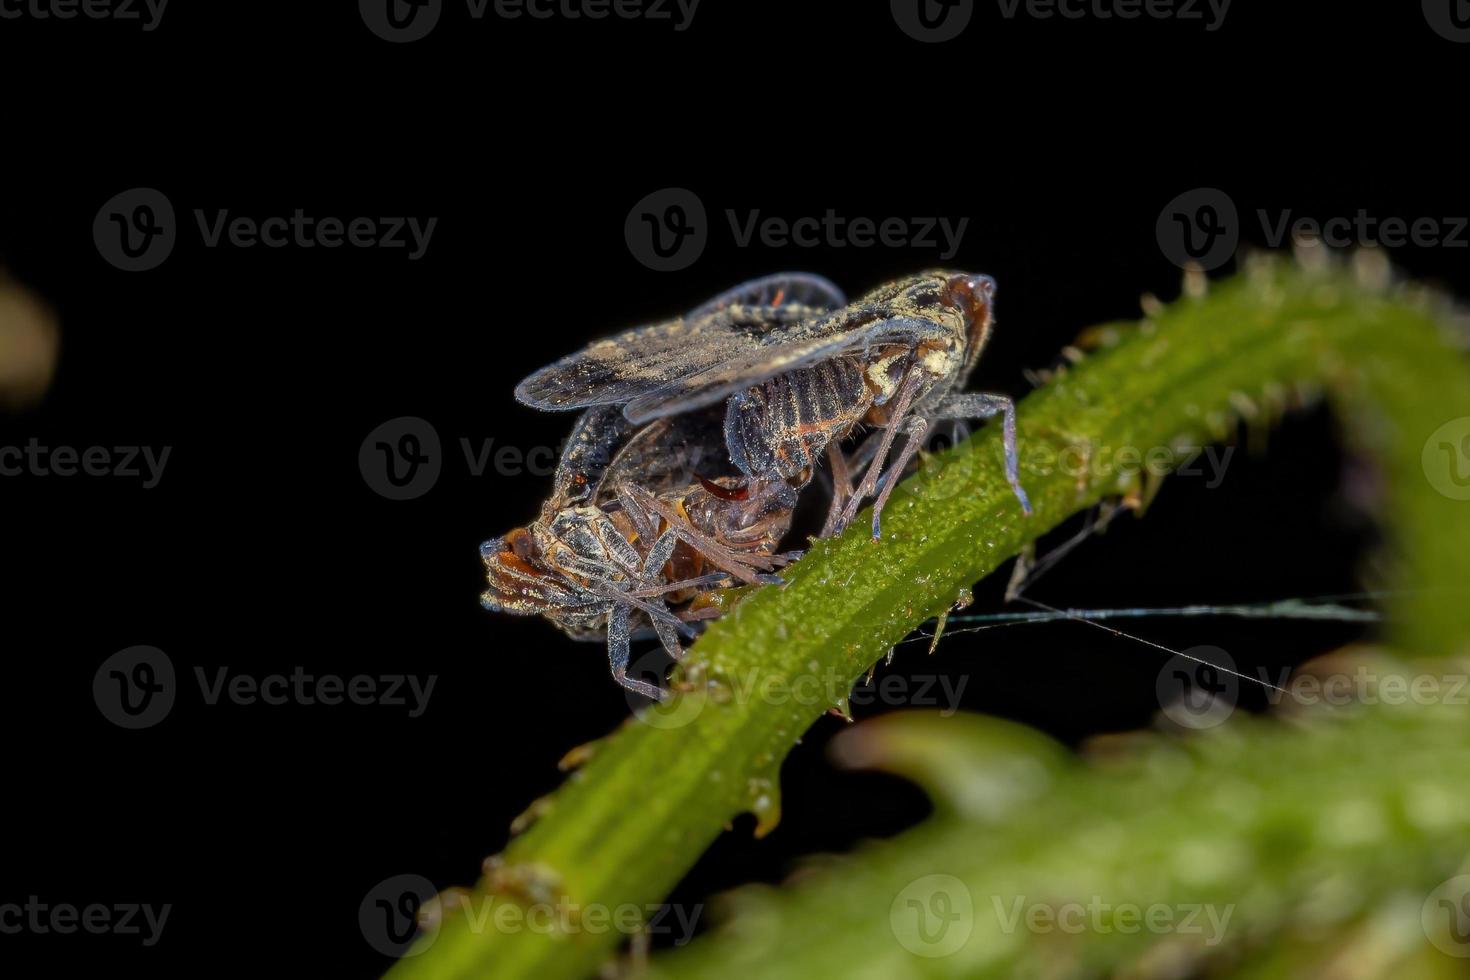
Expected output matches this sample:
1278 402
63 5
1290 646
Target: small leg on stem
914 430
901 404
978 405
618 643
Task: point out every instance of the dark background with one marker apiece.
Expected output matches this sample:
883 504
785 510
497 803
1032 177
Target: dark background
264 369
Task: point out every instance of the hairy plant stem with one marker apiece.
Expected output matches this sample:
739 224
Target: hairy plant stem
651 798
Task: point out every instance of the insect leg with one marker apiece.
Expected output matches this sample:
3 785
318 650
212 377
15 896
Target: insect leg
914 430
841 487
643 521
659 555
668 635
721 556
911 381
860 457
619 640
714 580
978 405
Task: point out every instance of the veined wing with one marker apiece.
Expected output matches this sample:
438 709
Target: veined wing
781 289
832 336
731 326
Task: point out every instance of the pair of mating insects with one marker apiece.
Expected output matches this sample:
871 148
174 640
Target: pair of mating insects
697 435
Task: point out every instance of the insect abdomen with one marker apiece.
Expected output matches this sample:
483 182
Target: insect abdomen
782 426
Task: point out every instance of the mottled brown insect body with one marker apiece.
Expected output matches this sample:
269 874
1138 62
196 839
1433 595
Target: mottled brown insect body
633 537
796 383
783 426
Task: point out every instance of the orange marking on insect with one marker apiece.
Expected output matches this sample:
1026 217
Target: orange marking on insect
724 493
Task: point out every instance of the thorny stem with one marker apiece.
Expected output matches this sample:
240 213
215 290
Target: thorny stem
630 823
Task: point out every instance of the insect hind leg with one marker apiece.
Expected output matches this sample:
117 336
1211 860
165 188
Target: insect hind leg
901 405
914 430
746 569
619 643
980 405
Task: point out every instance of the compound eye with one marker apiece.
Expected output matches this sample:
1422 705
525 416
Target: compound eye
520 542
971 290
972 294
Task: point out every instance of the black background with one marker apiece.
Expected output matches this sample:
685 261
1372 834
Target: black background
263 549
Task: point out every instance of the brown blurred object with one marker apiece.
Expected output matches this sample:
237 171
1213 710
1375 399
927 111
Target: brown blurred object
29 342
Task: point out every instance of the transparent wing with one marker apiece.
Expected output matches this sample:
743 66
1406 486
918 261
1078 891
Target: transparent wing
781 289
731 326
811 343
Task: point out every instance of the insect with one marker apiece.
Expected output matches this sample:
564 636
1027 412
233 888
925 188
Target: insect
798 370
633 536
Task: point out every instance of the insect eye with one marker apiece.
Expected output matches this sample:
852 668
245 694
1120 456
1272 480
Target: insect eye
971 293
521 543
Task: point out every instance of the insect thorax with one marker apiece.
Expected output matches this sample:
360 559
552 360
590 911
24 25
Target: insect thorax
584 541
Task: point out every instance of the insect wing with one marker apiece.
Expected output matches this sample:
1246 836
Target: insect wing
810 344
729 327
781 289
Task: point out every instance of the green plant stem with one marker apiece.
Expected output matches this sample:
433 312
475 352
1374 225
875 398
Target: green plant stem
1339 824
628 825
